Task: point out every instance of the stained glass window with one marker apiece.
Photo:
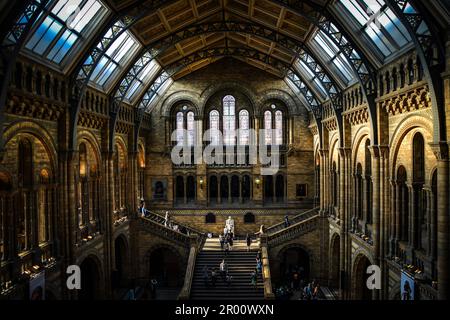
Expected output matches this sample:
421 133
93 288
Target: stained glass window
229 124
244 128
278 127
268 127
214 127
180 128
190 128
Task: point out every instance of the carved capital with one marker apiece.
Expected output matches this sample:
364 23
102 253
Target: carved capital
440 150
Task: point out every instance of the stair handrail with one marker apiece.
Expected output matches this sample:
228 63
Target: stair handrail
291 231
165 232
267 278
185 292
190 229
294 220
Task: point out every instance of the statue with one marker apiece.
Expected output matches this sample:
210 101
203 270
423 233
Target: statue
229 224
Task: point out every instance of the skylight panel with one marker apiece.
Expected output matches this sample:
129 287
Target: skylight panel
60 28
309 75
119 53
379 24
144 76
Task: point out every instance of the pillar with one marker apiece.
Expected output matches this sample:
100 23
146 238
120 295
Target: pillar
375 152
441 152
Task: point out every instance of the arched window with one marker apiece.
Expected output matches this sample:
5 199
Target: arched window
419 214
278 127
268 127
26 210
249 218
229 124
180 127
210 218
214 127
244 128
190 128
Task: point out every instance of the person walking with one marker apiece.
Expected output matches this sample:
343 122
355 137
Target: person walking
214 277
229 278
227 248
254 278
222 241
223 270
230 240
205 276
167 220
259 266
249 242
225 231
286 221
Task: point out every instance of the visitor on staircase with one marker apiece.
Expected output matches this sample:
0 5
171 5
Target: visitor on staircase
223 270
254 278
222 241
286 221
205 275
167 220
249 242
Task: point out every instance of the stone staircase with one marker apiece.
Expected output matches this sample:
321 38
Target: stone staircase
240 266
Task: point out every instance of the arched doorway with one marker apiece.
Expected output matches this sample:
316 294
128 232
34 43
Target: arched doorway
90 280
279 188
165 268
224 189
190 189
179 189
121 257
335 260
268 189
213 189
235 188
294 260
246 188
360 276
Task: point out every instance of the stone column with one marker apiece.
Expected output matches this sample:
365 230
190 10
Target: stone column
240 190
441 152
375 152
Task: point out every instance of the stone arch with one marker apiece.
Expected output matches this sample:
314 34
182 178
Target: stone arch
177 97
90 137
37 131
284 97
359 276
93 281
361 135
311 258
334 260
210 91
409 123
176 279
121 259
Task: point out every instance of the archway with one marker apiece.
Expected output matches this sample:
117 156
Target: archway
121 257
235 188
268 189
335 259
246 188
279 188
190 189
294 260
90 280
360 276
224 189
165 268
179 189
213 189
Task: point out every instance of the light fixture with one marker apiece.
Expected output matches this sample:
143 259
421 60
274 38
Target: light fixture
258 182
201 183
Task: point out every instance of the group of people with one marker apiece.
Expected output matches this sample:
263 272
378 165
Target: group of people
210 275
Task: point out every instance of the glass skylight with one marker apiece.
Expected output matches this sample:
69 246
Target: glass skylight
379 24
309 75
330 54
118 54
156 91
64 24
144 76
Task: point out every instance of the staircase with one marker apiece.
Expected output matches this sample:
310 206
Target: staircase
240 266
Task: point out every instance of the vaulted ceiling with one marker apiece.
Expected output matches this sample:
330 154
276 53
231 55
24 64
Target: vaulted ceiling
179 15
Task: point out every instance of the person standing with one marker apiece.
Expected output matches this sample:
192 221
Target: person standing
229 279
230 240
225 231
286 221
213 277
205 275
254 278
167 220
222 241
223 270
249 242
